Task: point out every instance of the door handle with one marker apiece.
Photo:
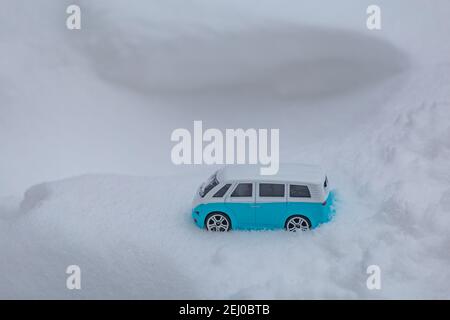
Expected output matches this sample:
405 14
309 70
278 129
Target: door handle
255 206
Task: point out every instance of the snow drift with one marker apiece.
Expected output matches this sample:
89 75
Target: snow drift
133 240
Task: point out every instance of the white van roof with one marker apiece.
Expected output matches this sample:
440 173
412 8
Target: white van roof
310 174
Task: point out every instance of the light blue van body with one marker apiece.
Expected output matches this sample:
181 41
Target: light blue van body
258 211
267 215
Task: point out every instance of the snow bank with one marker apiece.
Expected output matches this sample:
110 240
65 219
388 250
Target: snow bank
401 176
117 229
133 237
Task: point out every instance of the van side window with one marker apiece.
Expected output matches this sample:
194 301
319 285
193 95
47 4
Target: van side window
222 191
271 190
209 185
298 191
243 190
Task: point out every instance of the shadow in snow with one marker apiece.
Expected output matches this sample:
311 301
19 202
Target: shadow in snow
286 62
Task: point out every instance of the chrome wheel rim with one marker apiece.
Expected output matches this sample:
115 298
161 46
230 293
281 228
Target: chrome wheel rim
217 222
297 224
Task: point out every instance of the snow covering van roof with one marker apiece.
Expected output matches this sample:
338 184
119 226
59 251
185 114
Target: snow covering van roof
287 172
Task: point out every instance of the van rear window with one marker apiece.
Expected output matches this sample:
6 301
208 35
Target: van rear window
299 191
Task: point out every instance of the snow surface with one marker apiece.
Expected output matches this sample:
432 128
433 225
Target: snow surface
93 111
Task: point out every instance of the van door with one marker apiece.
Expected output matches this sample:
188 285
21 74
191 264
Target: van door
241 202
270 205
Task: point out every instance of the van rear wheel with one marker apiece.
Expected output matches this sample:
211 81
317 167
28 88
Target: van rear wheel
298 223
217 222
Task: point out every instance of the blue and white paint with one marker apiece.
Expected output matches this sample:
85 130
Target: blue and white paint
270 202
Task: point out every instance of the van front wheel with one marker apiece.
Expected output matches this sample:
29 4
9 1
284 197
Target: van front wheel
298 223
217 222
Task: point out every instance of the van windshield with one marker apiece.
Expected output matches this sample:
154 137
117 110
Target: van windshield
208 185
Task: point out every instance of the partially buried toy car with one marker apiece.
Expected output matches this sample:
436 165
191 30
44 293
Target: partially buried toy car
298 197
